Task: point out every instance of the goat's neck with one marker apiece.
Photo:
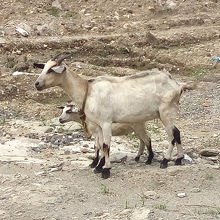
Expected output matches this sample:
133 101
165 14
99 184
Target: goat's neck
75 87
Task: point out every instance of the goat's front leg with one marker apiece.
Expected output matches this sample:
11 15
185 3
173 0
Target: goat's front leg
106 130
99 143
97 148
174 138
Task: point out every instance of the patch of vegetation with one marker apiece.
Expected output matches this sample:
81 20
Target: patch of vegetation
211 143
200 73
132 136
127 205
105 190
142 198
161 207
2 120
154 127
43 120
53 11
68 14
209 176
211 211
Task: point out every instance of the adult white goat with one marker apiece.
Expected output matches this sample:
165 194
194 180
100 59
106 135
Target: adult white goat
72 113
130 99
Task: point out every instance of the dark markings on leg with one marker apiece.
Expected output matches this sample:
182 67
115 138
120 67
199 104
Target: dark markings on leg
95 161
176 136
106 173
151 154
164 163
137 158
99 169
179 161
106 148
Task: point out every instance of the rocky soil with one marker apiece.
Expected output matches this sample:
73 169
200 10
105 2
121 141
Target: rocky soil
44 171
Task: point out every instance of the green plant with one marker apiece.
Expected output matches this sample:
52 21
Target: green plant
53 11
209 176
154 127
142 198
132 136
161 207
199 73
126 205
2 120
213 212
105 190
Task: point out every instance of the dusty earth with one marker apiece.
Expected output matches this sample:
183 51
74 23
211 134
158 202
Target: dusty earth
44 171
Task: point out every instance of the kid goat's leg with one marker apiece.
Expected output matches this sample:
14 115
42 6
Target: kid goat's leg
142 134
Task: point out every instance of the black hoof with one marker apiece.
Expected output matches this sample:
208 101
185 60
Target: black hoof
94 163
98 170
137 158
178 161
164 163
148 162
150 158
106 173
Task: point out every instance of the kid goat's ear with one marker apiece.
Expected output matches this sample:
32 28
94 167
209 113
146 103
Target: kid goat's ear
60 107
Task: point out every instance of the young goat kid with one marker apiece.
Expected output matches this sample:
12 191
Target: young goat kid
72 113
131 99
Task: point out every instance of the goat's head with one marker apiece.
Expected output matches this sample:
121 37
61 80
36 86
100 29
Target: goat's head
70 113
52 73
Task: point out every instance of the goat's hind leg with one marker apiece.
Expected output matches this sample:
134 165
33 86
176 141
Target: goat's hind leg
174 138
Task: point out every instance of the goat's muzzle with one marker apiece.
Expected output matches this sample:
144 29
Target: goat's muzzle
38 86
61 120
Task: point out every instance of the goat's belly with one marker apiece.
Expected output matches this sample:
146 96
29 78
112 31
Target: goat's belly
141 117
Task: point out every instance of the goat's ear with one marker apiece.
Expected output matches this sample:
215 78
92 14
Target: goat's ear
39 65
60 107
59 69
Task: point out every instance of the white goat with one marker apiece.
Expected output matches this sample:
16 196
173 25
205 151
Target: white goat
71 113
130 99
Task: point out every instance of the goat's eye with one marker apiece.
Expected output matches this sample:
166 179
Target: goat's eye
69 111
50 71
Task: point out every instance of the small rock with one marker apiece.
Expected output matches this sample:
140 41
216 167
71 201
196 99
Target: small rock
195 190
118 157
181 195
40 173
151 195
22 31
140 214
187 159
152 9
76 150
86 150
209 152
56 4
67 152
2 212
205 104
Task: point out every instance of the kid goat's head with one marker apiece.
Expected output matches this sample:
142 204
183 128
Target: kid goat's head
70 113
52 73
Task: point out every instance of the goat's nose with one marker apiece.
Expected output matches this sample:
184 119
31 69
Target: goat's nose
60 120
37 84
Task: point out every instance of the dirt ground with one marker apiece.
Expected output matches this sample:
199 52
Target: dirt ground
44 172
